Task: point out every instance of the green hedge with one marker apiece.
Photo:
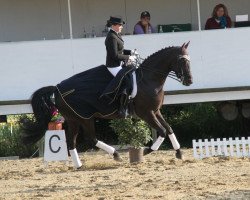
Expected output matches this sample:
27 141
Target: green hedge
200 121
10 143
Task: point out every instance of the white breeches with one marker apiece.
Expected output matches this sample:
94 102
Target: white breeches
114 70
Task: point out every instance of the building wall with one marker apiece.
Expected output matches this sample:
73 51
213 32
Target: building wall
27 66
32 19
48 19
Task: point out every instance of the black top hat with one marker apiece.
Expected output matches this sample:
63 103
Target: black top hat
145 14
115 20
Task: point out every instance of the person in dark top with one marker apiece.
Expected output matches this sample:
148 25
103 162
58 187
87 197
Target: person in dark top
144 26
117 56
219 19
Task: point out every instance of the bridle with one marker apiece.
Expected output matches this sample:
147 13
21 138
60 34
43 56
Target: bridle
180 73
178 77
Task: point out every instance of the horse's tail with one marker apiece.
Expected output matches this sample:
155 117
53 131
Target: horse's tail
42 105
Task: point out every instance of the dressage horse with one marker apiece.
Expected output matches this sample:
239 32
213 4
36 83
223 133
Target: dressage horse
151 76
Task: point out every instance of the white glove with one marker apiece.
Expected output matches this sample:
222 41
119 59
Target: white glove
132 59
134 52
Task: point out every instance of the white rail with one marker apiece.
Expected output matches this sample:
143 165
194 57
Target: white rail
225 147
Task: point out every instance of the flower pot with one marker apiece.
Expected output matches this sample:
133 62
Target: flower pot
136 155
54 126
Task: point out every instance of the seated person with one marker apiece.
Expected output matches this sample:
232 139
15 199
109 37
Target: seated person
219 19
144 26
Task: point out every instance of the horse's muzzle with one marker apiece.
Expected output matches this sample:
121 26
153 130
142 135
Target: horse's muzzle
188 81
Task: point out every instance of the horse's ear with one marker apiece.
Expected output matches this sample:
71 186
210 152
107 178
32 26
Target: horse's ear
183 46
186 45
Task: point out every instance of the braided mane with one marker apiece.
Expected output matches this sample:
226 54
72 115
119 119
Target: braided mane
160 53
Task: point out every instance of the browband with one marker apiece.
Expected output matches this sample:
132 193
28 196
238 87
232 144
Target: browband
186 57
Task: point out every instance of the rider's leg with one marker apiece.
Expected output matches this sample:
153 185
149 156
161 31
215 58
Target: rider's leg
122 111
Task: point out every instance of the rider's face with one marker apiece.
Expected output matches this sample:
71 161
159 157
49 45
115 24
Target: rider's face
117 28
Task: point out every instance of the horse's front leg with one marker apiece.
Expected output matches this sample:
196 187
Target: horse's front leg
73 128
171 135
152 120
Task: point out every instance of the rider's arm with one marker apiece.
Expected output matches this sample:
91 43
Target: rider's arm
127 52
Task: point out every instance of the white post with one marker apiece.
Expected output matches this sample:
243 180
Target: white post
199 15
219 153
243 142
237 142
70 20
195 149
201 148
231 147
207 148
225 146
212 146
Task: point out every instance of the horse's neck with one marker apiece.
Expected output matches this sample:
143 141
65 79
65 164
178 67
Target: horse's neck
151 80
156 68
152 76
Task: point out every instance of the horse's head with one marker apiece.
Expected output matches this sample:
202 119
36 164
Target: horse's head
181 66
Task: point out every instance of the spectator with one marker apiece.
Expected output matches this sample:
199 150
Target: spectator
144 26
219 19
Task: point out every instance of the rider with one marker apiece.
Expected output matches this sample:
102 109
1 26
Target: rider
117 57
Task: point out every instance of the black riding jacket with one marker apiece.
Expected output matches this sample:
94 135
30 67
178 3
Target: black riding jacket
115 50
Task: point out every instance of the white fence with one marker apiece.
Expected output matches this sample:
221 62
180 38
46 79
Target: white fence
230 147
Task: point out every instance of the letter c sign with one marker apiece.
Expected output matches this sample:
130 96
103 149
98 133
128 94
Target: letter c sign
55 146
50 146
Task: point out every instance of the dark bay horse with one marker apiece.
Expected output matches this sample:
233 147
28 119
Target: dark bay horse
147 103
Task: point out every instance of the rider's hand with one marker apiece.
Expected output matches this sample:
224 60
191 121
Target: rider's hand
134 52
132 59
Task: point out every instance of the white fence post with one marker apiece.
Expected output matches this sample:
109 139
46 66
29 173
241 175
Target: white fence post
237 144
213 147
207 148
195 149
231 146
200 149
225 143
219 153
243 142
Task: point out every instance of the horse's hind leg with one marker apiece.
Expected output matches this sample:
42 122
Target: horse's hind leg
89 128
171 135
73 128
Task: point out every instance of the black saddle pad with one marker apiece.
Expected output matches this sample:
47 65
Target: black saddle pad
82 92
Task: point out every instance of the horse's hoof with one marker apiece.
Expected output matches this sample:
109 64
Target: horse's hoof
117 157
179 154
147 151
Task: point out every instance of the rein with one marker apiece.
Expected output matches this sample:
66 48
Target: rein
170 74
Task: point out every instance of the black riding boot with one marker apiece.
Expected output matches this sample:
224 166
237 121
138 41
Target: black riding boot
123 109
